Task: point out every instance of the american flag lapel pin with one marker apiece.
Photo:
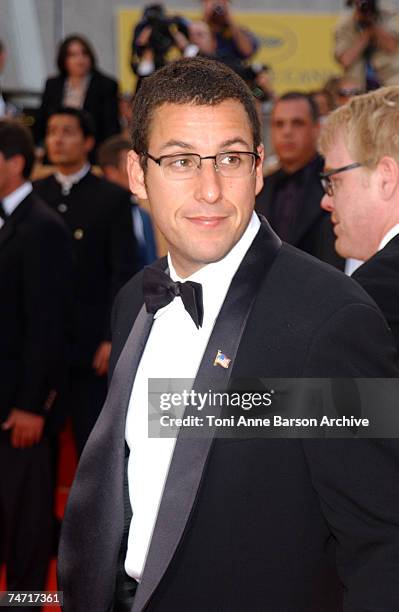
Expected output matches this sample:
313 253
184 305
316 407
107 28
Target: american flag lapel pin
222 360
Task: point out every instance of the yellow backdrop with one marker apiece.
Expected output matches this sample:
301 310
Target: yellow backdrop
299 48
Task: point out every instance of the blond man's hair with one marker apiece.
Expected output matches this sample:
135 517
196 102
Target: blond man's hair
369 126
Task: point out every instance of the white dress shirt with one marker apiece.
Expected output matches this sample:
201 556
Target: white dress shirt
68 180
394 231
11 201
174 349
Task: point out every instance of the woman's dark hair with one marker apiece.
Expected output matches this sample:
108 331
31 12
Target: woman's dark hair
197 81
16 139
63 51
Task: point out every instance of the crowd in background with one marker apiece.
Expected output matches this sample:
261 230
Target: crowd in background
83 122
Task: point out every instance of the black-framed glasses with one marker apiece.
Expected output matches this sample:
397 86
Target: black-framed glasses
328 183
230 164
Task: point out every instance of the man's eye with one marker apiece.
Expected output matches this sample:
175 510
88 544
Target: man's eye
180 163
230 160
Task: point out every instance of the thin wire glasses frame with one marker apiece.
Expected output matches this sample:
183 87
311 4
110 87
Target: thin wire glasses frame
237 169
327 182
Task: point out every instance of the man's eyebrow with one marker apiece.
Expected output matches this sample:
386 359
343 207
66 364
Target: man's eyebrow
176 143
234 141
223 145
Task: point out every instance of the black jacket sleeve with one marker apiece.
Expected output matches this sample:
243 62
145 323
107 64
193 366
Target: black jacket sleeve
48 281
357 479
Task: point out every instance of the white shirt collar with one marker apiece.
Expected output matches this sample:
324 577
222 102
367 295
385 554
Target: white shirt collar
11 201
68 180
394 231
216 277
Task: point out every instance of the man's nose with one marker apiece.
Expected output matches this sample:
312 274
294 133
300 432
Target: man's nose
327 203
208 188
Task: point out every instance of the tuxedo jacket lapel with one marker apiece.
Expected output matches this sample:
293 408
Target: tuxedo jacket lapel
191 454
96 504
6 232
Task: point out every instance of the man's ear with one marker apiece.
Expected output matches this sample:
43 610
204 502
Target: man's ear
136 175
259 169
89 143
388 177
16 165
110 173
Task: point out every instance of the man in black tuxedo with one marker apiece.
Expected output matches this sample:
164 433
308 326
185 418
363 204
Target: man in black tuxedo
97 213
362 193
209 523
36 266
290 198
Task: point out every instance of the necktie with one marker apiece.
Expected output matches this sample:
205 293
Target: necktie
159 290
3 214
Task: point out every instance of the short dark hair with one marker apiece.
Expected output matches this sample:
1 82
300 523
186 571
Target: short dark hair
16 139
300 95
83 118
198 81
63 51
109 151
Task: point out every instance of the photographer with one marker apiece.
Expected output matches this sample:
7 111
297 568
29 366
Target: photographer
366 44
233 43
154 36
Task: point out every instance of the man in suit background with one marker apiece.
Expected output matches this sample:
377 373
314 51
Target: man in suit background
97 213
362 192
36 267
205 523
290 198
112 159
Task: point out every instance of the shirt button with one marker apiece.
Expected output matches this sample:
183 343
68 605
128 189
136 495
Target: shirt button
78 234
62 208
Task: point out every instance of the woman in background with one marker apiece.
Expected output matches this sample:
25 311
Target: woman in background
80 84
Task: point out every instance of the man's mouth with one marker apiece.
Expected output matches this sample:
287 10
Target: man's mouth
205 221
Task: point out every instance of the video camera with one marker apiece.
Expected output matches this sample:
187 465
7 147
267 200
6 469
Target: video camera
368 11
161 39
368 8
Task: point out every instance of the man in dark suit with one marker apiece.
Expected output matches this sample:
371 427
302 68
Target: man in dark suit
290 198
209 523
362 193
36 265
97 213
112 159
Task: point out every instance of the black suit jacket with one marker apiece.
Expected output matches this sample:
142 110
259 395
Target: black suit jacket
282 525
101 102
36 268
379 276
98 215
313 231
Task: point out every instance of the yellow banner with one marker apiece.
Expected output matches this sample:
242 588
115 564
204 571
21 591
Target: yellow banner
298 47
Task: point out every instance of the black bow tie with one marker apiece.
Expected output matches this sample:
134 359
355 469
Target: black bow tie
3 214
159 290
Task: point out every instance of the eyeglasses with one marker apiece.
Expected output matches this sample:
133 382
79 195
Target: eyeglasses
328 183
229 164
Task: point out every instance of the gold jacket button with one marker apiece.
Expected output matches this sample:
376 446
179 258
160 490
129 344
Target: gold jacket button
78 234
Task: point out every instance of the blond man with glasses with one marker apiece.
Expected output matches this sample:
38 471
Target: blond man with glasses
361 183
